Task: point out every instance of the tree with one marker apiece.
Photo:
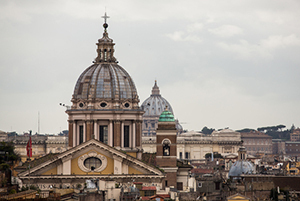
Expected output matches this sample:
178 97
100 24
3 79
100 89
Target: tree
280 127
216 155
7 153
245 130
206 130
7 159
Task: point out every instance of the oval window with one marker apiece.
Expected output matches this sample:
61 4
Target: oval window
126 105
92 163
81 104
103 104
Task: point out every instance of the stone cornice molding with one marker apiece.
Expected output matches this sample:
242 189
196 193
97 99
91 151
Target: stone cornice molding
197 142
67 158
115 157
104 177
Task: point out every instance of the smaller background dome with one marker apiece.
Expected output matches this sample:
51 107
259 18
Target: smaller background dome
166 116
155 104
241 167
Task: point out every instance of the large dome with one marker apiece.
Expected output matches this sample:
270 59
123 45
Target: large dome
155 104
105 84
105 81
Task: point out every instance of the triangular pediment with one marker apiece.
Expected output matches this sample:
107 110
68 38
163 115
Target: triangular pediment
231 156
73 162
237 197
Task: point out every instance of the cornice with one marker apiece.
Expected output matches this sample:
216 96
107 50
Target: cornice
104 177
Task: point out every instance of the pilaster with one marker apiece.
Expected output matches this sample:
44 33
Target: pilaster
71 133
117 133
66 165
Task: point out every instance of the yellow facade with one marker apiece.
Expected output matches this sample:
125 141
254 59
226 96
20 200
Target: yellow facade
53 171
133 171
108 170
131 154
293 168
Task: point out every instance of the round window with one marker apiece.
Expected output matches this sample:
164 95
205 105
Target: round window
92 163
103 104
81 104
126 105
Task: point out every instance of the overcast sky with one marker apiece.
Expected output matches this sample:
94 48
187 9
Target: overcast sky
219 63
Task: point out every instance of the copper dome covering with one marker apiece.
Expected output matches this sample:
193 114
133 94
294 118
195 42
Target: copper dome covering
105 81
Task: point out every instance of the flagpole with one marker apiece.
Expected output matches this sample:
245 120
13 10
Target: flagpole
29 153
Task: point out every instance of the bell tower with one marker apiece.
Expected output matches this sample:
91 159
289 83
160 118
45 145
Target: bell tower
166 148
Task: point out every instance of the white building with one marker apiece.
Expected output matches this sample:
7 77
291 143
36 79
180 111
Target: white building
194 145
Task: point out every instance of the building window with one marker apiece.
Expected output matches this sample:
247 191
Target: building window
166 183
180 155
166 150
149 193
179 186
80 134
217 185
103 134
153 125
200 185
126 136
187 155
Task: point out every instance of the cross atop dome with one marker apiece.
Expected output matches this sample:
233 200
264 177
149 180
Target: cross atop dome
105 17
105 47
105 25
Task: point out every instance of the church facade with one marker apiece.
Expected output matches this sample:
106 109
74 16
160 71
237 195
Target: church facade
105 104
105 138
105 135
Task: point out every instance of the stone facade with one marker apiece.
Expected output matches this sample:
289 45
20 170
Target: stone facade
295 135
70 169
41 144
278 146
257 142
193 146
292 149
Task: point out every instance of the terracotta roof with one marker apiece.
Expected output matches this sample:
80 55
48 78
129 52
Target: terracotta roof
160 195
148 188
